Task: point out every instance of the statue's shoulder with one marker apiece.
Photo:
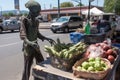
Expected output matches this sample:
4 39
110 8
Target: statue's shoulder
24 19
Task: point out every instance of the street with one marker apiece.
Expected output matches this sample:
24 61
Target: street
11 57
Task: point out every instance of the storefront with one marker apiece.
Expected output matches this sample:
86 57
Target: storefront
53 13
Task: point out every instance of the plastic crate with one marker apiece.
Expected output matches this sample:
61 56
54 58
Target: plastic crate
116 45
94 38
76 37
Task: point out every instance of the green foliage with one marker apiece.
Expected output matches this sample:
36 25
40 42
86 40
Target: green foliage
108 5
112 5
80 4
117 7
10 14
5 14
66 4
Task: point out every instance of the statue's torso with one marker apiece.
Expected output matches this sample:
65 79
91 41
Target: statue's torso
31 30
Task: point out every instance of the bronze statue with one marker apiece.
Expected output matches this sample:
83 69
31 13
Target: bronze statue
29 33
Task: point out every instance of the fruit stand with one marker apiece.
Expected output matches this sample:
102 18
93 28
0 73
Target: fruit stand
45 71
79 62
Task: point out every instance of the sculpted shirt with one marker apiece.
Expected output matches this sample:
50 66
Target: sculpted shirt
29 29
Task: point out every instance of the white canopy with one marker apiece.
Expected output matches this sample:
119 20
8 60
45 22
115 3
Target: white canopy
93 11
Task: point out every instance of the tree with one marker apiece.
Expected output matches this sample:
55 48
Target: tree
117 7
10 14
80 4
66 4
108 5
112 5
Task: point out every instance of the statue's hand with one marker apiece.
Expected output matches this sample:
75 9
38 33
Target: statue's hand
34 45
51 41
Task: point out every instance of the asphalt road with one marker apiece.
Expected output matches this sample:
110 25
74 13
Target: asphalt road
11 57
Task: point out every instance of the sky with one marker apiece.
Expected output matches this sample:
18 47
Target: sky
45 4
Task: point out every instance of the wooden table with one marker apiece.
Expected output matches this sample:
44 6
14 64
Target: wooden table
45 71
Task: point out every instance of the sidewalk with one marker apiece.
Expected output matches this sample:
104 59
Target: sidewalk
44 25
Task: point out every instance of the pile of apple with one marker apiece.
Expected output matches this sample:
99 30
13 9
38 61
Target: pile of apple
93 64
106 51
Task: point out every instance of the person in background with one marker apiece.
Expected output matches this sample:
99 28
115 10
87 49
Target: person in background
29 33
113 27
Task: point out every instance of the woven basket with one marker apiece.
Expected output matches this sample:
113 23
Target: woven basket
64 64
90 75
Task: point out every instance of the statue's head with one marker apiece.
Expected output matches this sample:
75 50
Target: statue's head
34 7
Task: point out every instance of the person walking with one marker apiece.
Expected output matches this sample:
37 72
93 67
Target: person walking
29 33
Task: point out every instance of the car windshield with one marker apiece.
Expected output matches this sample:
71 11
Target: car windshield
63 19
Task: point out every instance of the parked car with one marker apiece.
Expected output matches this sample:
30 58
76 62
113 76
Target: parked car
42 19
54 20
65 23
9 25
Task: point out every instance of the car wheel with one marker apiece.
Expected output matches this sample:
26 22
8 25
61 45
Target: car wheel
0 30
66 30
53 31
12 30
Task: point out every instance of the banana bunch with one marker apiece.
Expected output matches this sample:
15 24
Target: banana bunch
74 50
66 51
60 46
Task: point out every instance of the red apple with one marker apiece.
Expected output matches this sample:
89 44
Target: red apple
111 58
109 52
106 47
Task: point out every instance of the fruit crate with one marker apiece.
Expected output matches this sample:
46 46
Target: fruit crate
91 75
94 38
64 64
76 37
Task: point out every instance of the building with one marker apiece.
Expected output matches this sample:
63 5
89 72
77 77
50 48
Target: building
53 13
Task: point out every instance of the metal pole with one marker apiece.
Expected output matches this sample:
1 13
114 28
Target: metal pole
97 2
79 2
89 10
114 6
58 8
80 7
1 11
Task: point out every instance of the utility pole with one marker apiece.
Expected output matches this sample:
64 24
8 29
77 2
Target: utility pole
97 2
79 2
114 6
58 8
89 9
0 11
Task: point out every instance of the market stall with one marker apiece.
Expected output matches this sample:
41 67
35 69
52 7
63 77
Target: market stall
70 62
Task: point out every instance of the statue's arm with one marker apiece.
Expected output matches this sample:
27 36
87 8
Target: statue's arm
40 36
23 34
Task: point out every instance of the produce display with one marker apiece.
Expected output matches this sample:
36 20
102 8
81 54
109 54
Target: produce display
66 51
91 68
102 50
93 64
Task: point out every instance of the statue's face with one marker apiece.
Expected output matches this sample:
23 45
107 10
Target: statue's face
34 11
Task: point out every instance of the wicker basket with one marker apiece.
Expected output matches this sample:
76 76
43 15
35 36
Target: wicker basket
91 75
64 64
